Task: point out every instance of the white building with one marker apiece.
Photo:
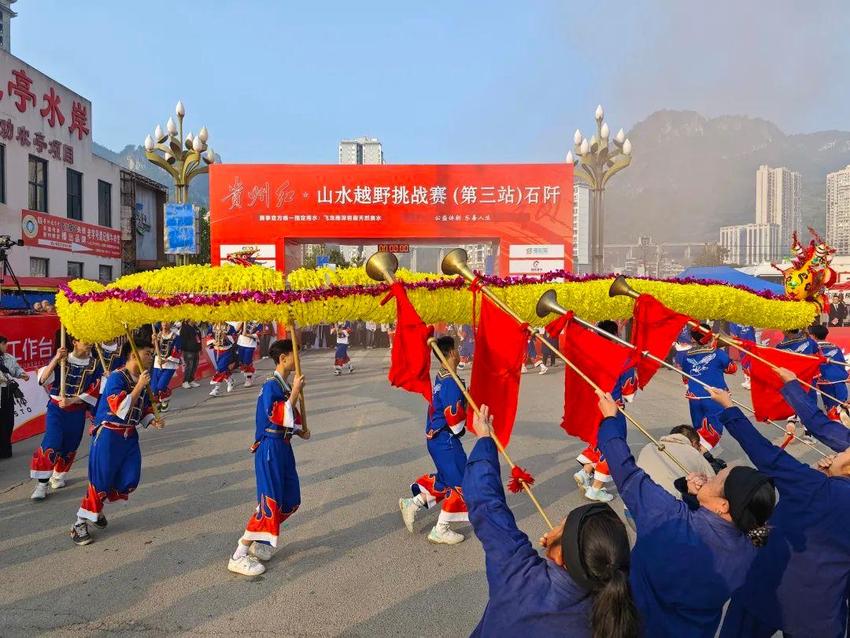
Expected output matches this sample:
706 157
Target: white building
838 210
749 244
361 150
66 203
581 227
778 192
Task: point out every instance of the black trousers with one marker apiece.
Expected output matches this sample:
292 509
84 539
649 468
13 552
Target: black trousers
7 421
190 364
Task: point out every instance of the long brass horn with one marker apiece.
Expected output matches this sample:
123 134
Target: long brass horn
454 263
548 304
382 266
620 287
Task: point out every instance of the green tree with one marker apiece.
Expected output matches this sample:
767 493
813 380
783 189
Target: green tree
334 256
203 256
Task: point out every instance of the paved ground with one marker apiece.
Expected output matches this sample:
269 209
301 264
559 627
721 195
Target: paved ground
347 566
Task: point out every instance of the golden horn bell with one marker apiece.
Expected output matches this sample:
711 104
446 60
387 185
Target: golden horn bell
548 304
620 287
454 263
382 266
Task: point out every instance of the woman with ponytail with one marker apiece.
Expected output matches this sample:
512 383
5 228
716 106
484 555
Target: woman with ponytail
689 557
580 589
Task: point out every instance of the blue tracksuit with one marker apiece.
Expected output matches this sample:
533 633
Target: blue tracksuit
278 488
115 459
443 429
833 377
530 596
799 581
709 365
685 564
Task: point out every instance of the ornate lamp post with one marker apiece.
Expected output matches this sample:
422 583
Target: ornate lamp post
182 158
596 162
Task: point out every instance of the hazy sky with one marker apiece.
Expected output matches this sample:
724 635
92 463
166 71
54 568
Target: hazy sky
437 81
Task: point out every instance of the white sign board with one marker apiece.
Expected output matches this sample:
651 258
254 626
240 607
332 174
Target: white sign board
537 251
534 266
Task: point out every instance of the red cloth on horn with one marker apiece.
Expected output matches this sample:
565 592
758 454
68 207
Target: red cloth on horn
655 329
601 359
410 361
500 346
765 384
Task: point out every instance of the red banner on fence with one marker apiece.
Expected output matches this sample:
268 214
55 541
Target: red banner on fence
60 233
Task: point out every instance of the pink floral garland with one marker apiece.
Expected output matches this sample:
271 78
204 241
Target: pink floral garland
137 295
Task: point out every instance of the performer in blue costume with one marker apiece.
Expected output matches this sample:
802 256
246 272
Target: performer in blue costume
686 562
705 361
579 589
833 376
444 427
278 489
66 416
798 584
220 340
168 351
115 458
246 346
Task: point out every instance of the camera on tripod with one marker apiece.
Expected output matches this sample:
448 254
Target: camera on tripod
6 242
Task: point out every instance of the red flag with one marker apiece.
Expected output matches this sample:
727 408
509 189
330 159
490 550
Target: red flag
655 329
601 359
765 384
500 345
410 361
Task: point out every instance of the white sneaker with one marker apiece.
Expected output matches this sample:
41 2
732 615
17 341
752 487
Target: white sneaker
746 384
523 369
601 495
215 391
56 482
246 565
444 536
582 480
543 369
230 385
40 491
186 385
248 383
195 384
408 509
261 551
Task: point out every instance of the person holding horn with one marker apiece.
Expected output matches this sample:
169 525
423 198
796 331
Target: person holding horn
799 583
74 387
278 490
444 427
115 458
581 587
686 563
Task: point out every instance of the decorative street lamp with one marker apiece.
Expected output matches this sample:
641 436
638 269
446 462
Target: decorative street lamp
182 158
596 162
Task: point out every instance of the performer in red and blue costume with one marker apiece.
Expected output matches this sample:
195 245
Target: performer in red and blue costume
833 376
594 475
168 355
341 359
246 346
115 458
66 417
278 489
743 333
220 339
444 428
706 362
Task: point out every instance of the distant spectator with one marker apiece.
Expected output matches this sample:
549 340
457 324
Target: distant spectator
840 312
190 338
371 330
9 371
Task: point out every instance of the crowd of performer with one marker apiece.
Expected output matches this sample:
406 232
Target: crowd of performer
705 537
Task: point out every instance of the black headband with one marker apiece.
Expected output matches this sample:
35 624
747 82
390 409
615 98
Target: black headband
741 484
571 546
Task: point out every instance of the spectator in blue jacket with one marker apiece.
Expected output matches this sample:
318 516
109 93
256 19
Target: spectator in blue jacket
799 582
580 589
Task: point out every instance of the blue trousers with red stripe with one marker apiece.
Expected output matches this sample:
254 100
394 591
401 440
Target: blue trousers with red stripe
62 435
115 469
278 490
160 378
705 417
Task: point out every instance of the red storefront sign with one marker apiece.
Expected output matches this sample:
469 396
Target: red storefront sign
60 233
509 203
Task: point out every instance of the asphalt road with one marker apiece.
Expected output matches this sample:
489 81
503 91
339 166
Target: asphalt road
347 566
